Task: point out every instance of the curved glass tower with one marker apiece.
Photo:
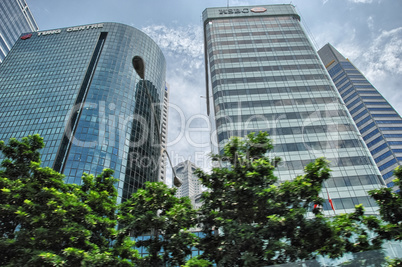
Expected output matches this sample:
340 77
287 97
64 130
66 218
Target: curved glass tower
77 88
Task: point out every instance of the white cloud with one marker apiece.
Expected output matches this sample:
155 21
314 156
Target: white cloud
181 40
361 1
383 67
379 60
184 51
384 55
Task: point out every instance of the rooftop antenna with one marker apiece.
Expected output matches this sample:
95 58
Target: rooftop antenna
228 3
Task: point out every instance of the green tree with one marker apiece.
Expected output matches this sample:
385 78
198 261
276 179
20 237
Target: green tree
197 262
390 204
250 219
165 218
46 222
248 216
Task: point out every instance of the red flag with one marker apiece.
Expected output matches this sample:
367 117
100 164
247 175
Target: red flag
330 201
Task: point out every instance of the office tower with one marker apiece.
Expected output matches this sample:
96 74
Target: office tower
378 122
262 73
77 88
191 186
15 19
165 113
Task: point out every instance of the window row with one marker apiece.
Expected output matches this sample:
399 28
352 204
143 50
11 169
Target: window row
279 102
266 68
318 145
261 58
337 162
269 79
352 181
281 116
217 43
259 50
237 34
349 203
316 129
271 90
383 156
387 165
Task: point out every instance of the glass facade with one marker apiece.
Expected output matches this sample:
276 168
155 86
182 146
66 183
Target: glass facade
77 88
15 18
379 124
263 73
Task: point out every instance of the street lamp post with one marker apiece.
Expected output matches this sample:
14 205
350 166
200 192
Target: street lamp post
139 67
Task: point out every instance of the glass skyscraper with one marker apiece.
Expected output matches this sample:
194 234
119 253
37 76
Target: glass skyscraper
378 122
263 73
77 88
15 18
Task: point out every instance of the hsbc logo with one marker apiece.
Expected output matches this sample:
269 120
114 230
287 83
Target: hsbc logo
258 9
26 36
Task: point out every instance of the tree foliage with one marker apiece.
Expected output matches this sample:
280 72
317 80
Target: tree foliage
252 219
390 204
166 219
249 216
46 222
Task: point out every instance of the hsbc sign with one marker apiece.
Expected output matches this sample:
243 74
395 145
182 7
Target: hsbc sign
241 10
26 36
258 9
233 11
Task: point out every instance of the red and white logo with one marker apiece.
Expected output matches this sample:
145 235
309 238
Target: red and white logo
26 36
258 9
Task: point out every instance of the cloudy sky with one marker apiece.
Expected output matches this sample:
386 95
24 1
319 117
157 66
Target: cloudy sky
368 32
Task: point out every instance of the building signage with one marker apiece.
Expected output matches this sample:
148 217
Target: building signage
233 11
258 9
72 29
26 36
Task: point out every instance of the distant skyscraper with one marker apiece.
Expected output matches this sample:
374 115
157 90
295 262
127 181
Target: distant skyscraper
266 75
77 88
379 124
15 18
164 123
191 186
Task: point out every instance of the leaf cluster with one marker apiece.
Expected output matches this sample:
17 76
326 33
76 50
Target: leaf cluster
46 222
156 211
251 218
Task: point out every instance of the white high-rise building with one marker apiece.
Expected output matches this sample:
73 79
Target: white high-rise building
263 74
191 185
164 125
